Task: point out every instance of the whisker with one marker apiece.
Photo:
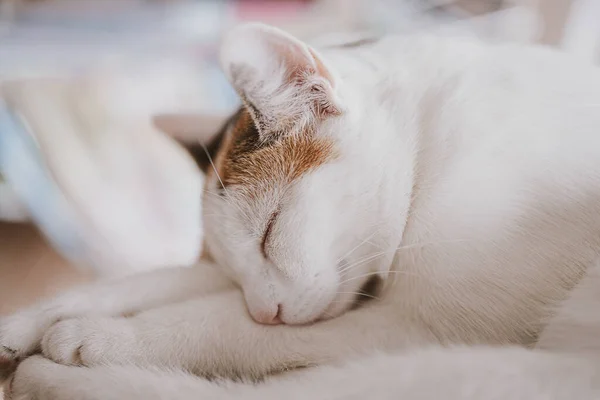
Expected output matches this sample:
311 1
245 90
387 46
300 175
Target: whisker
392 251
361 262
221 182
357 246
227 201
360 294
213 194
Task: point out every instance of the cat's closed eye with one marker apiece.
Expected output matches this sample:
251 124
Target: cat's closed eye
267 232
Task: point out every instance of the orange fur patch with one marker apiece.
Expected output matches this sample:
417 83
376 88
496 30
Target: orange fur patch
244 160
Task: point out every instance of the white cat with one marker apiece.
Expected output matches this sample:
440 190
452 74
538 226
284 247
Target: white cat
456 183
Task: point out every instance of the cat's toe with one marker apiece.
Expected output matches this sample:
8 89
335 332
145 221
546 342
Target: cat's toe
63 341
88 342
20 336
32 379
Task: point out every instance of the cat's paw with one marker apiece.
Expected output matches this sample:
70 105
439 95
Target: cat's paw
91 341
37 379
23 383
20 334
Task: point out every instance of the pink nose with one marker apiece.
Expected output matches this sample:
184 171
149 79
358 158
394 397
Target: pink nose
267 316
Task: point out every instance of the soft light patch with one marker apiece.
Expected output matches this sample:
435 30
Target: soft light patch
107 189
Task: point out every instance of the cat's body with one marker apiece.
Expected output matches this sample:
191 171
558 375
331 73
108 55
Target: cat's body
465 176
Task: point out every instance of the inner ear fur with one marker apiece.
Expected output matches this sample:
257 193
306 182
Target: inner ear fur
286 85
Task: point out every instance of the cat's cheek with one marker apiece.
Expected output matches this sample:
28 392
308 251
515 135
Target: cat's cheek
92 341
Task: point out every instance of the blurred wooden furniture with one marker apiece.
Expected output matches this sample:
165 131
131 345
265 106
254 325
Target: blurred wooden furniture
30 269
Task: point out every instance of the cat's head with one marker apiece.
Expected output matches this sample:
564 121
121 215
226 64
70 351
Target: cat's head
308 191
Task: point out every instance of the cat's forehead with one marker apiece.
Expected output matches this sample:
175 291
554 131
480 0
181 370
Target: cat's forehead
244 159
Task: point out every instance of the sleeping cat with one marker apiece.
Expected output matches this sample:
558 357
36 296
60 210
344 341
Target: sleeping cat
453 184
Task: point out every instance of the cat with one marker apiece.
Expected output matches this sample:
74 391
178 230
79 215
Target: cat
453 184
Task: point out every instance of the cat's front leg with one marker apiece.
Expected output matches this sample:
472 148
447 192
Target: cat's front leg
38 378
426 374
216 336
21 333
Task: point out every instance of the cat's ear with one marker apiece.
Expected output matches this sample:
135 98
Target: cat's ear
285 84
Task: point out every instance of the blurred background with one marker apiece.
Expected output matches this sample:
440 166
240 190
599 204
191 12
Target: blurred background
33 32
41 37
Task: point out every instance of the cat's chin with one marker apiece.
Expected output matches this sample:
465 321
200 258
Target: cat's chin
336 308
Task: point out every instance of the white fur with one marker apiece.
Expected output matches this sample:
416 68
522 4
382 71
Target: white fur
468 176
429 374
